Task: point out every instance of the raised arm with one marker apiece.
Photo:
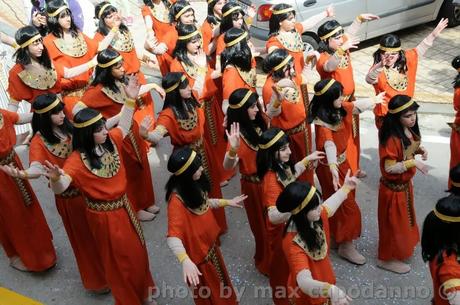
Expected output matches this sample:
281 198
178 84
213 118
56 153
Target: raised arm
428 41
314 20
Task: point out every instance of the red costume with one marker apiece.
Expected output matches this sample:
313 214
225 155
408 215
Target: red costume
445 276
198 231
455 135
234 78
23 228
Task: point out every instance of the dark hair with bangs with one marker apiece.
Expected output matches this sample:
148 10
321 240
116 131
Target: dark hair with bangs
104 75
239 55
22 55
176 8
42 122
102 28
180 52
53 22
322 106
392 41
212 18
275 19
274 59
227 21
180 106
324 29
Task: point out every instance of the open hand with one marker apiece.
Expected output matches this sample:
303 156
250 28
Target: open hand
133 87
190 272
237 201
234 136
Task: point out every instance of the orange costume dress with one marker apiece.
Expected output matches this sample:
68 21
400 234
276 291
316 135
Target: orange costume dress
394 83
206 34
23 228
318 263
81 50
116 230
346 222
140 185
455 135
272 186
254 206
445 276
234 78
71 207
165 33
198 230
398 230
344 75
292 120
190 133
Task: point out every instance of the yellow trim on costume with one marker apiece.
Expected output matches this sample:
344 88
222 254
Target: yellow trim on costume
237 39
446 218
30 41
401 108
58 11
182 11
328 85
283 63
235 8
48 108
275 139
243 101
112 62
456 184
449 284
103 9
324 37
181 257
385 49
173 87
209 1
304 203
187 164
286 10
197 32
89 122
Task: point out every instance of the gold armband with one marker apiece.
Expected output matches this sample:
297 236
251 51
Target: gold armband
325 290
340 51
223 202
181 257
333 166
114 30
232 152
409 163
53 179
346 189
25 174
360 19
130 103
305 162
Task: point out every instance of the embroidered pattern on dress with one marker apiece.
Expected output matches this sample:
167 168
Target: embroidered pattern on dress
395 79
318 254
76 48
40 80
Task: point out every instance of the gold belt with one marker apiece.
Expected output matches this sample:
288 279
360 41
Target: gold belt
340 159
297 129
26 195
250 178
395 186
74 93
210 120
112 205
8 159
402 187
214 259
71 192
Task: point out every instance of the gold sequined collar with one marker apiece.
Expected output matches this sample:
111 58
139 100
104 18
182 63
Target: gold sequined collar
316 255
41 80
319 122
291 41
289 177
61 150
190 123
123 42
291 95
160 12
76 48
396 80
409 152
249 77
110 164
344 61
253 147
203 208
193 71
117 97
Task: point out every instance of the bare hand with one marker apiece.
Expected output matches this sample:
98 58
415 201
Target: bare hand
351 181
237 201
251 10
190 272
160 91
335 178
330 11
316 155
13 171
234 136
52 171
133 87
351 43
369 17
145 126
443 23
421 167
379 98
338 296
160 48
200 58
424 153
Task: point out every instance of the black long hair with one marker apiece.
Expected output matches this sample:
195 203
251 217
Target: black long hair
456 66
391 122
41 122
180 106
176 8
180 51
268 159
392 41
238 55
289 199
322 106
438 235
53 22
212 18
454 175
227 21
22 55
191 191
101 26
150 3
324 29
83 138
275 19
104 75
240 115
274 59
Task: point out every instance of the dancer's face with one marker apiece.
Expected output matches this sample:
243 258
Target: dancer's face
64 20
218 7
338 102
188 17
409 119
315 214
57 119
252 111
118 71
288 24
100 135
186 93
284 153
36 48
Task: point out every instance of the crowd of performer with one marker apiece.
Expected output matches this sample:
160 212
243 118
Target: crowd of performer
93 122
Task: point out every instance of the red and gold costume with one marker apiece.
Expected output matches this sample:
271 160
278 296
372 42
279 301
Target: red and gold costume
455 135
398 230
23 228
346 222
446 277
71 207
116 230
234 78
199 231
318 263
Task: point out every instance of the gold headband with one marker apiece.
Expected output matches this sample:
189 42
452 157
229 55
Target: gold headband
173 87
401 108
210 1
103 9
324 37
236 40
283 63
283 11
89 122
187 164
58 11
243 101
328 85
197 32
456 184
30 41
112 62
278 136
445 217
385 49
235 8
306 201
183 10
48 108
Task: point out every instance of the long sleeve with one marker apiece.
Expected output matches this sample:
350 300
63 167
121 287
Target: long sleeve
35 170
373 74
313 21
354 28
276 217
24 118
176 246
61 184
126 117
230 162
157 134
335 200
308 285
363 104
331 152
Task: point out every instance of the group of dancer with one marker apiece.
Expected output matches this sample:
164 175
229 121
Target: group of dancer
93 124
